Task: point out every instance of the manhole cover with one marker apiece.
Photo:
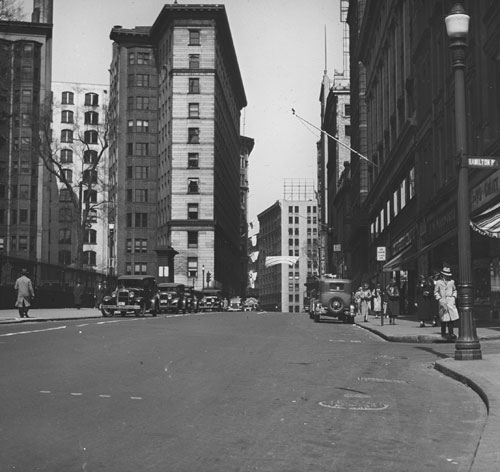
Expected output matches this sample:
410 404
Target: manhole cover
353 404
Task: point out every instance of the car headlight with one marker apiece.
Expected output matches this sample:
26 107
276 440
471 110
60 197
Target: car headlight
131 294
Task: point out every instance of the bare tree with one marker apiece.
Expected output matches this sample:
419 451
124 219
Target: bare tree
82 187
11 10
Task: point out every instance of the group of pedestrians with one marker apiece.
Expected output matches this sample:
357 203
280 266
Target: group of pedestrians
382 303
435 301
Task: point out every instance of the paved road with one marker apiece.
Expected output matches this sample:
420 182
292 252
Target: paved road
227 392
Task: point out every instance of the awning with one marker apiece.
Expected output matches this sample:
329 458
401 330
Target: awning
400 261
487 222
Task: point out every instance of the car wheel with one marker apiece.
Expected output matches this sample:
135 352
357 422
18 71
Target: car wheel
107 312
336 305
141 311
123 313
316 318
154 310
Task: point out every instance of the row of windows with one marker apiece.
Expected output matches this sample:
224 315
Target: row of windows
18 191
89 258
295 209
295 220
91 98
90 236
90 117
89 156
138 80
141 58
295 231
89 137
20 243
141 195
17 216
400 198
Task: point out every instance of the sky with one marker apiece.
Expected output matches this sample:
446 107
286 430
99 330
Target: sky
280 46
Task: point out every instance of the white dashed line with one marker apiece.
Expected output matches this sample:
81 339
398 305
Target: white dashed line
76 394
33 331
136 398
45 391
105 396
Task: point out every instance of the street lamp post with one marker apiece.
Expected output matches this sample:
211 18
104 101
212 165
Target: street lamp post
203 277
467 346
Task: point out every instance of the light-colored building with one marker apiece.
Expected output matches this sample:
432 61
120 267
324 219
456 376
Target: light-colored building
80 144
288 231
180 77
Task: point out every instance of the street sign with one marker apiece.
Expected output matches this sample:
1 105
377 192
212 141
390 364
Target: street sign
381 253
486 162
337 248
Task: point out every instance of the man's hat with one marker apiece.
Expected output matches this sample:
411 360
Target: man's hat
446 271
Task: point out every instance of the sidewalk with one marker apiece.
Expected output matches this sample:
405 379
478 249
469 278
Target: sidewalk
480 375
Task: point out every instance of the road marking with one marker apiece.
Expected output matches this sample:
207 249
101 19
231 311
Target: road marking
45 391
33 331
76 394
354 405
373 379
136 398
105 396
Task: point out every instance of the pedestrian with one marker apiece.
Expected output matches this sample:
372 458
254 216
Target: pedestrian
78 295
357 299
377 300
435 305
393 300
424 302
25 293
445 293
365 299
98 295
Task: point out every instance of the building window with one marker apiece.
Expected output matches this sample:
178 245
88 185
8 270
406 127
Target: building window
89 176
67 116
141 245
90 196
64 236
67 98
192 239
23 216
141 195
193 185
90 236
140 268
91 118
90 137
194 85
142 172
67 175
65 215
141 149
131 58
66 136
89 156
347 109
91 99
194 37
142 103
192 210
194 110
89 258
128 195
194 61
128 268
193 160
141 220
142 80
142 126
128 246
66 156
64 195
192 267
64 258
143 58
193 135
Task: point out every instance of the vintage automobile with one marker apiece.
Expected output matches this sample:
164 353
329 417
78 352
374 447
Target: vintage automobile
210 300
331 297
172 297
136 294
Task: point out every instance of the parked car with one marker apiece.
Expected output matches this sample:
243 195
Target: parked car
235 304
172 297
331 297
134 293
210 300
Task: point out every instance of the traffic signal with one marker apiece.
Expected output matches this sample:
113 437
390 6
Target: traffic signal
209 277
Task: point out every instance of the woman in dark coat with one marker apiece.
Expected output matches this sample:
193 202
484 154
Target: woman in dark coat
393 303
424 300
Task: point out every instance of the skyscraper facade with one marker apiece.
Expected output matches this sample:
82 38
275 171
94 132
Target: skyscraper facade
176 96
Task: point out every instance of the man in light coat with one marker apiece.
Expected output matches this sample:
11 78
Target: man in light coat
25 293
445 293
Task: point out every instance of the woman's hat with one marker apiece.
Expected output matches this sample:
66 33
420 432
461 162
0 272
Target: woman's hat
446 271
365 286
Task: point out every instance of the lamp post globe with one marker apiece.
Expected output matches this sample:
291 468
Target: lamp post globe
467 346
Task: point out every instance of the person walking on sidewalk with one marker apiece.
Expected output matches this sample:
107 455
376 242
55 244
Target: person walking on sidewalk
78 295
98 295
393 302
377 300
424 302
445 293
365 300
25 293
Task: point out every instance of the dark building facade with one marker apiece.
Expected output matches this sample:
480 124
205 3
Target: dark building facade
182 79
402 105
25 82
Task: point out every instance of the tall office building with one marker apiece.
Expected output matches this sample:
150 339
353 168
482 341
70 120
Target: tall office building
25 82
79 143
289 234
176 96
